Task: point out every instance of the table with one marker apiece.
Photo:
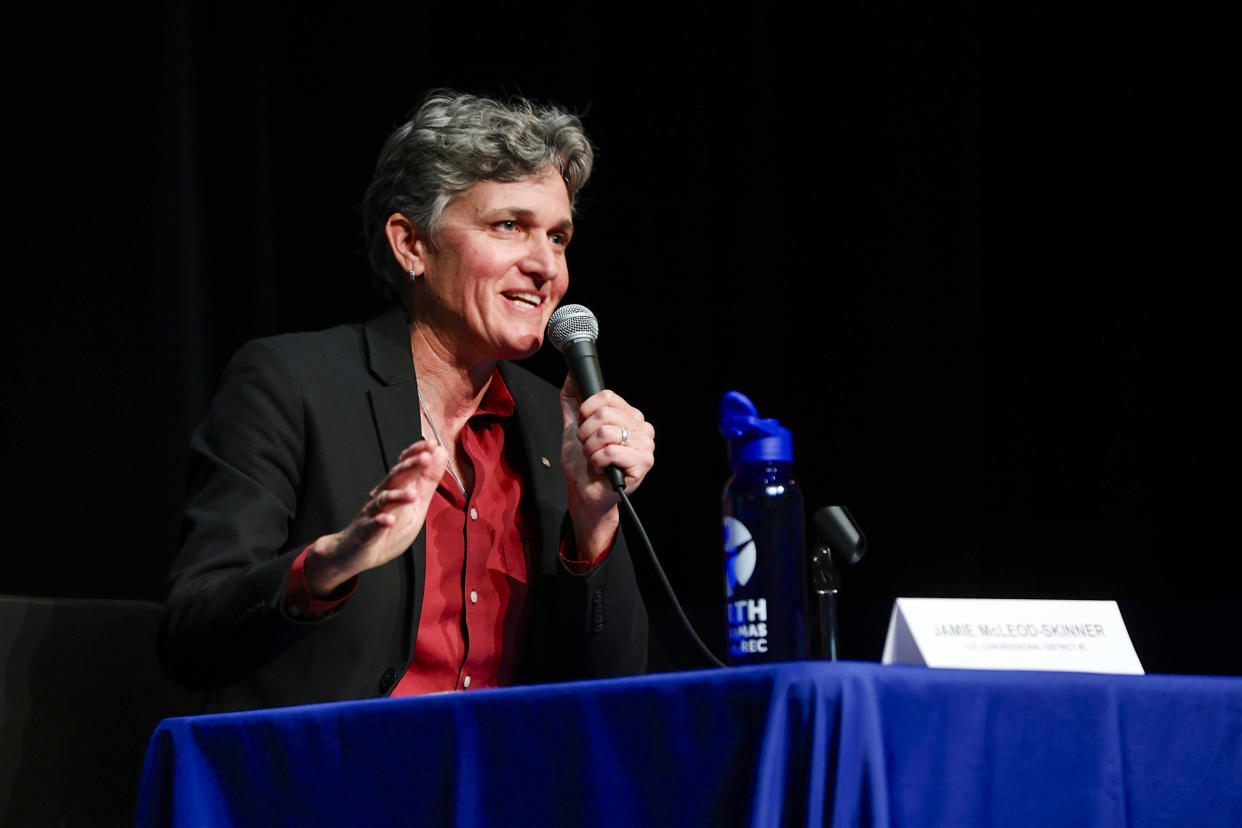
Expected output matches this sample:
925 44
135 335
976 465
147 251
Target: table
800 743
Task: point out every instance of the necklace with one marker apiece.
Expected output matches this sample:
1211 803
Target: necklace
436 432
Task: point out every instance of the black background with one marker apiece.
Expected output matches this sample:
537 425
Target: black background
962 252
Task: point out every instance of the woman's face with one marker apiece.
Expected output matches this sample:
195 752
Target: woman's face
499 267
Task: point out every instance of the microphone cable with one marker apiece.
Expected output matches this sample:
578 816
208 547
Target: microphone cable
668 588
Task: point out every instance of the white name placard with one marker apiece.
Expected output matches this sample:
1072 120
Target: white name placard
996 634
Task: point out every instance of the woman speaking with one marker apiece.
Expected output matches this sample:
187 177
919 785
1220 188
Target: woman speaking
394 507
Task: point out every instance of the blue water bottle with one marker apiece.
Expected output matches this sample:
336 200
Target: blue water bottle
764 539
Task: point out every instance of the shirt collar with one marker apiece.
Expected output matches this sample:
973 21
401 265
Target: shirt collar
497 401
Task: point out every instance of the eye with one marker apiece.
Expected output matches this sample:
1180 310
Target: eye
559 239
506 226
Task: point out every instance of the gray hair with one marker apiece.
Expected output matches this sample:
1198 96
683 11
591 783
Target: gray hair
454 141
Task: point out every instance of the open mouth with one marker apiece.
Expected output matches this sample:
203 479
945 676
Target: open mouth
525 300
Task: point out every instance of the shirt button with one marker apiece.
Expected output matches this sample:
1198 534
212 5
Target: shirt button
474 513
466 681
474 597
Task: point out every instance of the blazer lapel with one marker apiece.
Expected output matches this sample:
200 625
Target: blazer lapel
395 403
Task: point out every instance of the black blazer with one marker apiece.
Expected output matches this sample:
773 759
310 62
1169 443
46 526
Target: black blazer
304 425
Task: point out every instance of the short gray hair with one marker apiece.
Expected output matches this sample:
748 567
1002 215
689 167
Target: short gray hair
452 142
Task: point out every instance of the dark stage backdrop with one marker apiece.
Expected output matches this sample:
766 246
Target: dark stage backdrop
953 249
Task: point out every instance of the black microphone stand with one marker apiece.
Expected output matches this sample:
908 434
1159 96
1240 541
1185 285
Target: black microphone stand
826 584
841 539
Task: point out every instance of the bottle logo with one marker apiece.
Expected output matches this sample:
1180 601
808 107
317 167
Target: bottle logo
739 549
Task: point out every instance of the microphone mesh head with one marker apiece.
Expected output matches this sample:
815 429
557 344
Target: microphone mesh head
569 323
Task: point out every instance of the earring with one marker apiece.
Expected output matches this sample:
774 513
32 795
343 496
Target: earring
413 275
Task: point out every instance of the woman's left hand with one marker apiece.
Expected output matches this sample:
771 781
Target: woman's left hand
601 431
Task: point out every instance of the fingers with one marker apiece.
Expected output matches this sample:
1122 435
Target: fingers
417 447
569 407
604 399
607 407
607 420
365 529
569 390
633 437
413 479
428 475
390 519
614 433
633 463
417 459
601 431
388 499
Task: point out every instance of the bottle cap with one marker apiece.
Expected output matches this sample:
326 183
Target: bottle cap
752 438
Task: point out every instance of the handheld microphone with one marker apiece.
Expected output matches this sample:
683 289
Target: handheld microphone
573 329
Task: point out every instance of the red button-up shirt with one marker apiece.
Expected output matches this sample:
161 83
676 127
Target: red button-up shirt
472 624
471 629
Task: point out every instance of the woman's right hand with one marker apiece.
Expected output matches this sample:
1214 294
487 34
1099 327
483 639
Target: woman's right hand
388 523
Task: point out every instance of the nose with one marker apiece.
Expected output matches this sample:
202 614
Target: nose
543 260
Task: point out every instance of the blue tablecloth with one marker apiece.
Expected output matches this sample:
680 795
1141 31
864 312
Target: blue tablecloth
804 743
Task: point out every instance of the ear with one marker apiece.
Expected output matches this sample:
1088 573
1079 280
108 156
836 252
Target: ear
407 243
